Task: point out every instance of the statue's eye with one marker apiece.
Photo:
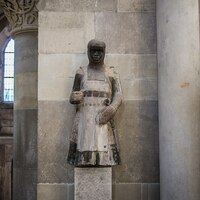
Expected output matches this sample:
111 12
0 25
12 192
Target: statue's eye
92 51
95 51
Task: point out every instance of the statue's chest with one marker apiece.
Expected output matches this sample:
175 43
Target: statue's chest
95 75
96 81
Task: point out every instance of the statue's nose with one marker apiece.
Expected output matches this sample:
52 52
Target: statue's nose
96 53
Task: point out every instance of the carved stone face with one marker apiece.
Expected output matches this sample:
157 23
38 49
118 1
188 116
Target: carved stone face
96 55
96 52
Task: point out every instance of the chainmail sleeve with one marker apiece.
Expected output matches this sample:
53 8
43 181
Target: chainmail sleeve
116 89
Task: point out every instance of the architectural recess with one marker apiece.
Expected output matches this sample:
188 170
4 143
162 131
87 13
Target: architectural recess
22 14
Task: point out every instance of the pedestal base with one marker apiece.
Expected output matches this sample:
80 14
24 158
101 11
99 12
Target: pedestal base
93 183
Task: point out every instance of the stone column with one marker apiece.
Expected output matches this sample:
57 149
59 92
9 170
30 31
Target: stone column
22 16
179 98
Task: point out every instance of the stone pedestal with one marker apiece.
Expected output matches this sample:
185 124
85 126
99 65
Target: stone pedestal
93 183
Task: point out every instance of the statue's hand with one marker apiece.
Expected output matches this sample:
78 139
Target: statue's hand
105 115
76 97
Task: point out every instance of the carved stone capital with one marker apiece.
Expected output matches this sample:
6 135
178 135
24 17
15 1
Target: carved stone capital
22 15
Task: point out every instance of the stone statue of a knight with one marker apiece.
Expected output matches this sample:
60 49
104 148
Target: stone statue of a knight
97 95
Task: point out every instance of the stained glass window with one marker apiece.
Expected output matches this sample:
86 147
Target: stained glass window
8 72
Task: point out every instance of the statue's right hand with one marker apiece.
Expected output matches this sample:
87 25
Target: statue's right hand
105 115
76 97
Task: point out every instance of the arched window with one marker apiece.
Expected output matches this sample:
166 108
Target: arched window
8 72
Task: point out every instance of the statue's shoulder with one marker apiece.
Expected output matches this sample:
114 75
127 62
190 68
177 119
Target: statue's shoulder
111 71
81 70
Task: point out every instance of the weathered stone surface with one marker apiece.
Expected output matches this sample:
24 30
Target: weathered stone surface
79 5
144 191
132 66
67 41
136 5
24 183
60 65
137 125
179 95
57 71
70 194
54 191
26 86
93 183
140 89
127 191
62 20
154 191
55 89
72 31
127 33
54 127
138 74
26 54
136 191
25 154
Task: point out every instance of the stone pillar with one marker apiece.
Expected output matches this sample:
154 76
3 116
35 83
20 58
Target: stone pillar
22 16
179 98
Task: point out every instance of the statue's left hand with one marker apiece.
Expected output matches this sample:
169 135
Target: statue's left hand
105 115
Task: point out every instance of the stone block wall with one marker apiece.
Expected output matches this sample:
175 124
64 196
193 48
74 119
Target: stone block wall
128 27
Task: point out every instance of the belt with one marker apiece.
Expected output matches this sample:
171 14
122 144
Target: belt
94 93
92 104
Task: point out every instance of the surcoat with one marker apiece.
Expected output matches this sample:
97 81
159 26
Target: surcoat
93 144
